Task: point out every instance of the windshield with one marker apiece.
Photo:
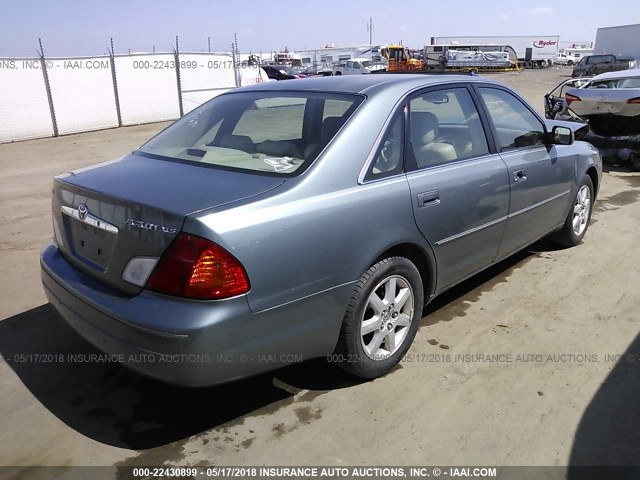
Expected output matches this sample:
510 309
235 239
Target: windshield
270 132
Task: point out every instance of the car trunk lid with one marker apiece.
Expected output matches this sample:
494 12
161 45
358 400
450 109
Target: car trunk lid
105 215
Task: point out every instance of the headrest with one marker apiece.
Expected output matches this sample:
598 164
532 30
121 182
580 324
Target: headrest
330 127
424 127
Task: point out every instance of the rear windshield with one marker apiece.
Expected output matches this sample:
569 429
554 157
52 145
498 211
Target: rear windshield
275 133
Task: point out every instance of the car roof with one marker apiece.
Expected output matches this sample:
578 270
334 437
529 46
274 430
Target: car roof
363 83
631 73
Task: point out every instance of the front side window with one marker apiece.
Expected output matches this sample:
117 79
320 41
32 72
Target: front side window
515 125
277 133
445 126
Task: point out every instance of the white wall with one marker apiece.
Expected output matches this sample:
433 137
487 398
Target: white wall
83 96
204 76
24 109
82 93
147 88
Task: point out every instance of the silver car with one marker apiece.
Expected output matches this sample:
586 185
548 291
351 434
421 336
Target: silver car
286 221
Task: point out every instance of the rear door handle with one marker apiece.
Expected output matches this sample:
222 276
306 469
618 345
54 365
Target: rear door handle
428 199
519 176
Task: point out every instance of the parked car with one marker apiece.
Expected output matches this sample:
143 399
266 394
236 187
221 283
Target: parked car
595 64
610 103
282 72
357 66
555 105
320 70
275 224
563 59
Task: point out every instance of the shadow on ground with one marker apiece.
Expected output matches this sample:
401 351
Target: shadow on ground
112 405
609 431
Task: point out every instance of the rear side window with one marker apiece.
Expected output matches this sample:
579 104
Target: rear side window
389 159
629 83
516 126
269 132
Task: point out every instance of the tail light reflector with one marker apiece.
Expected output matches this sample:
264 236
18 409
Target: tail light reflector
634 100
194 267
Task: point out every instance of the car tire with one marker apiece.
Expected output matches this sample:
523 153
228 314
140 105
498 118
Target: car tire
579 217
387 301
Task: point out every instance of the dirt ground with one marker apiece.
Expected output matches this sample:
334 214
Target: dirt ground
561 326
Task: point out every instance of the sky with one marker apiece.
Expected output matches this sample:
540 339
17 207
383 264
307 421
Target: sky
74 27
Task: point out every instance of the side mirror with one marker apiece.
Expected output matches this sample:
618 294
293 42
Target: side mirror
562 135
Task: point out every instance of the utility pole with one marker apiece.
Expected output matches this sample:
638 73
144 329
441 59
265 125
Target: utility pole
370 30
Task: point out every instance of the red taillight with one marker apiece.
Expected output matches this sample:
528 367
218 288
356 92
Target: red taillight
634 100
571 98
194 267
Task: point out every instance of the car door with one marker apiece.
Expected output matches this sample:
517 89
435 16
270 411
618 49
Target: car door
554 101
459 187
540 176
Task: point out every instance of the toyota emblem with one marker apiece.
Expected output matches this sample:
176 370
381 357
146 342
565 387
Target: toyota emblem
83 211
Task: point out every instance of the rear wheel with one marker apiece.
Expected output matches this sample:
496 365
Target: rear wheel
382 318
577 222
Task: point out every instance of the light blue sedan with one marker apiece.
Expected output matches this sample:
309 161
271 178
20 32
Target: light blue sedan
293 220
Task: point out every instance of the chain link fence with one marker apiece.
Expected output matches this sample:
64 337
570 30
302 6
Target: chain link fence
43 97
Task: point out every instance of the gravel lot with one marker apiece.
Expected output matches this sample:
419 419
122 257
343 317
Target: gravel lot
556 319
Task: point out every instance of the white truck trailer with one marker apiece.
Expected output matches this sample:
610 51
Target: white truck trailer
622 41
532 51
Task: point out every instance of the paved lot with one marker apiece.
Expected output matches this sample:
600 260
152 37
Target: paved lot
552 316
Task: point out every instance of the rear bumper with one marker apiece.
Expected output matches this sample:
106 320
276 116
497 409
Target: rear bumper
192 343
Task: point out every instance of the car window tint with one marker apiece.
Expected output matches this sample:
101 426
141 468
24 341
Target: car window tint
278 119
389 157
445 126
335 108
629 83
270 132
516 126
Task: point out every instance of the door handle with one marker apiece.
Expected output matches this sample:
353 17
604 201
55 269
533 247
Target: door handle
427 199
519 176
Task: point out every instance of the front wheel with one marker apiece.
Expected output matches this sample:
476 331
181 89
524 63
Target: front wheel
577 222
382 318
